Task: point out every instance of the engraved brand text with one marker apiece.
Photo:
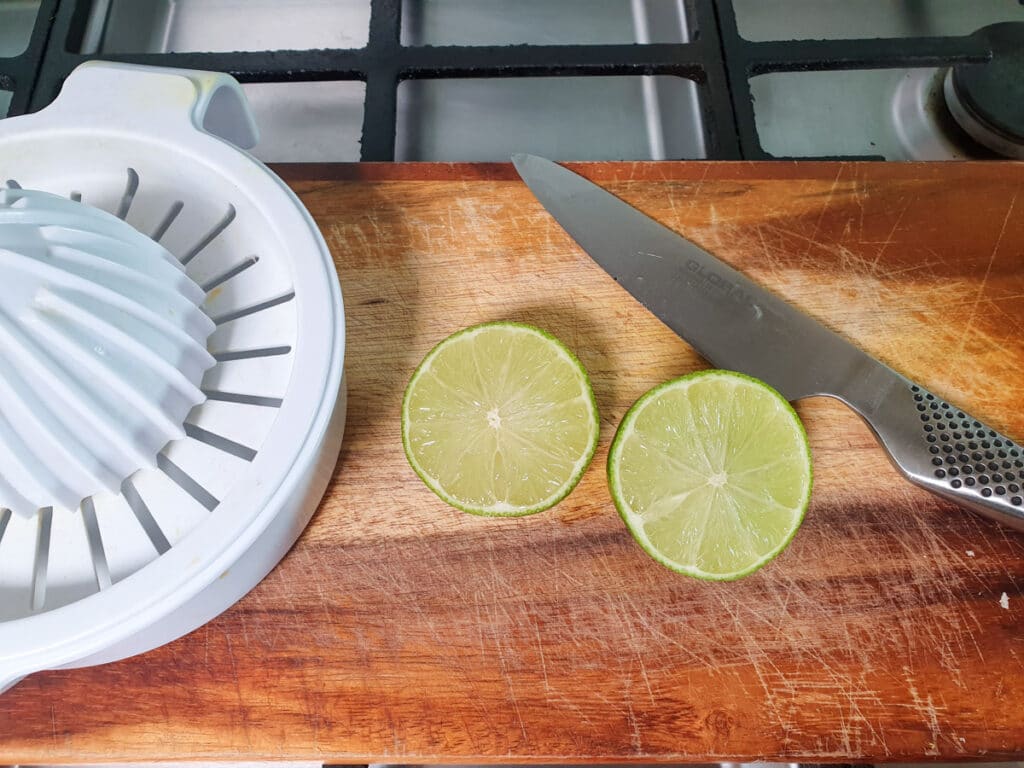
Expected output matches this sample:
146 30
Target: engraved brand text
711 281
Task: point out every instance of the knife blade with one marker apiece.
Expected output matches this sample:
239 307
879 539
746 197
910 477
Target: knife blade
736 324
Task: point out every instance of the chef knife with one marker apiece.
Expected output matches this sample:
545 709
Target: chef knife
738 325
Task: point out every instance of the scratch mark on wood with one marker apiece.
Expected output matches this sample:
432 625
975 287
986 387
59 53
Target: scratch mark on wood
540 652
926 708
634 729
700 185
824 209
888 240
984 278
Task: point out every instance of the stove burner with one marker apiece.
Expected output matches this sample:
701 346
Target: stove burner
987 100
922 122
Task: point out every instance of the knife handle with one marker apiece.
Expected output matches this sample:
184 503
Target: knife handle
948 452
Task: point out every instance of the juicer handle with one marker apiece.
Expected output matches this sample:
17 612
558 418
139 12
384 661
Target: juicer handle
157 100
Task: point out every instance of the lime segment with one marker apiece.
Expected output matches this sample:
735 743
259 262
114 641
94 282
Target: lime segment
711 473
500 419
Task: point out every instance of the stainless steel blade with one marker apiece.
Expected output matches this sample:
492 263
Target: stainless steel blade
731 321
737 324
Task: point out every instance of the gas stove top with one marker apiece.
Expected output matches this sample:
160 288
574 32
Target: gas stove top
343 80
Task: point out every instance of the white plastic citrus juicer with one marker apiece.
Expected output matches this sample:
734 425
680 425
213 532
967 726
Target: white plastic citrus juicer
167 425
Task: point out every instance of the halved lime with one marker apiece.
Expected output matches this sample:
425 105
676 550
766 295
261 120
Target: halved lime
499 419
711 473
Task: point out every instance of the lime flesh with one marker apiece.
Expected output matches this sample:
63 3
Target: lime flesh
500 419
711 473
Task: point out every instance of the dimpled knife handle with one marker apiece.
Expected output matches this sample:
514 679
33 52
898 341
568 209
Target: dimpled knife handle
940 447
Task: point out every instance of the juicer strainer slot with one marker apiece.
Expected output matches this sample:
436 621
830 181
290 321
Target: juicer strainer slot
243 265
248 354
186 482
165 222
130 188
209 237
235 314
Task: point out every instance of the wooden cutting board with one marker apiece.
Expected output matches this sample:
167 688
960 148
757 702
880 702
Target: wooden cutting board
401 630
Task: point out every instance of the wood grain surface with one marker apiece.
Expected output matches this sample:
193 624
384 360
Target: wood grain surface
401 630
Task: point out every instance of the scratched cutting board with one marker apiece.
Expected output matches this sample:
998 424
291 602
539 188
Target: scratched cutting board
401 630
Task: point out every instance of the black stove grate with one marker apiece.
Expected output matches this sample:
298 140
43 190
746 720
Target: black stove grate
717 59
18 74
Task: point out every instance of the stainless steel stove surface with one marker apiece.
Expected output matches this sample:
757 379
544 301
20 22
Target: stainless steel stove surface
343 80
898 113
